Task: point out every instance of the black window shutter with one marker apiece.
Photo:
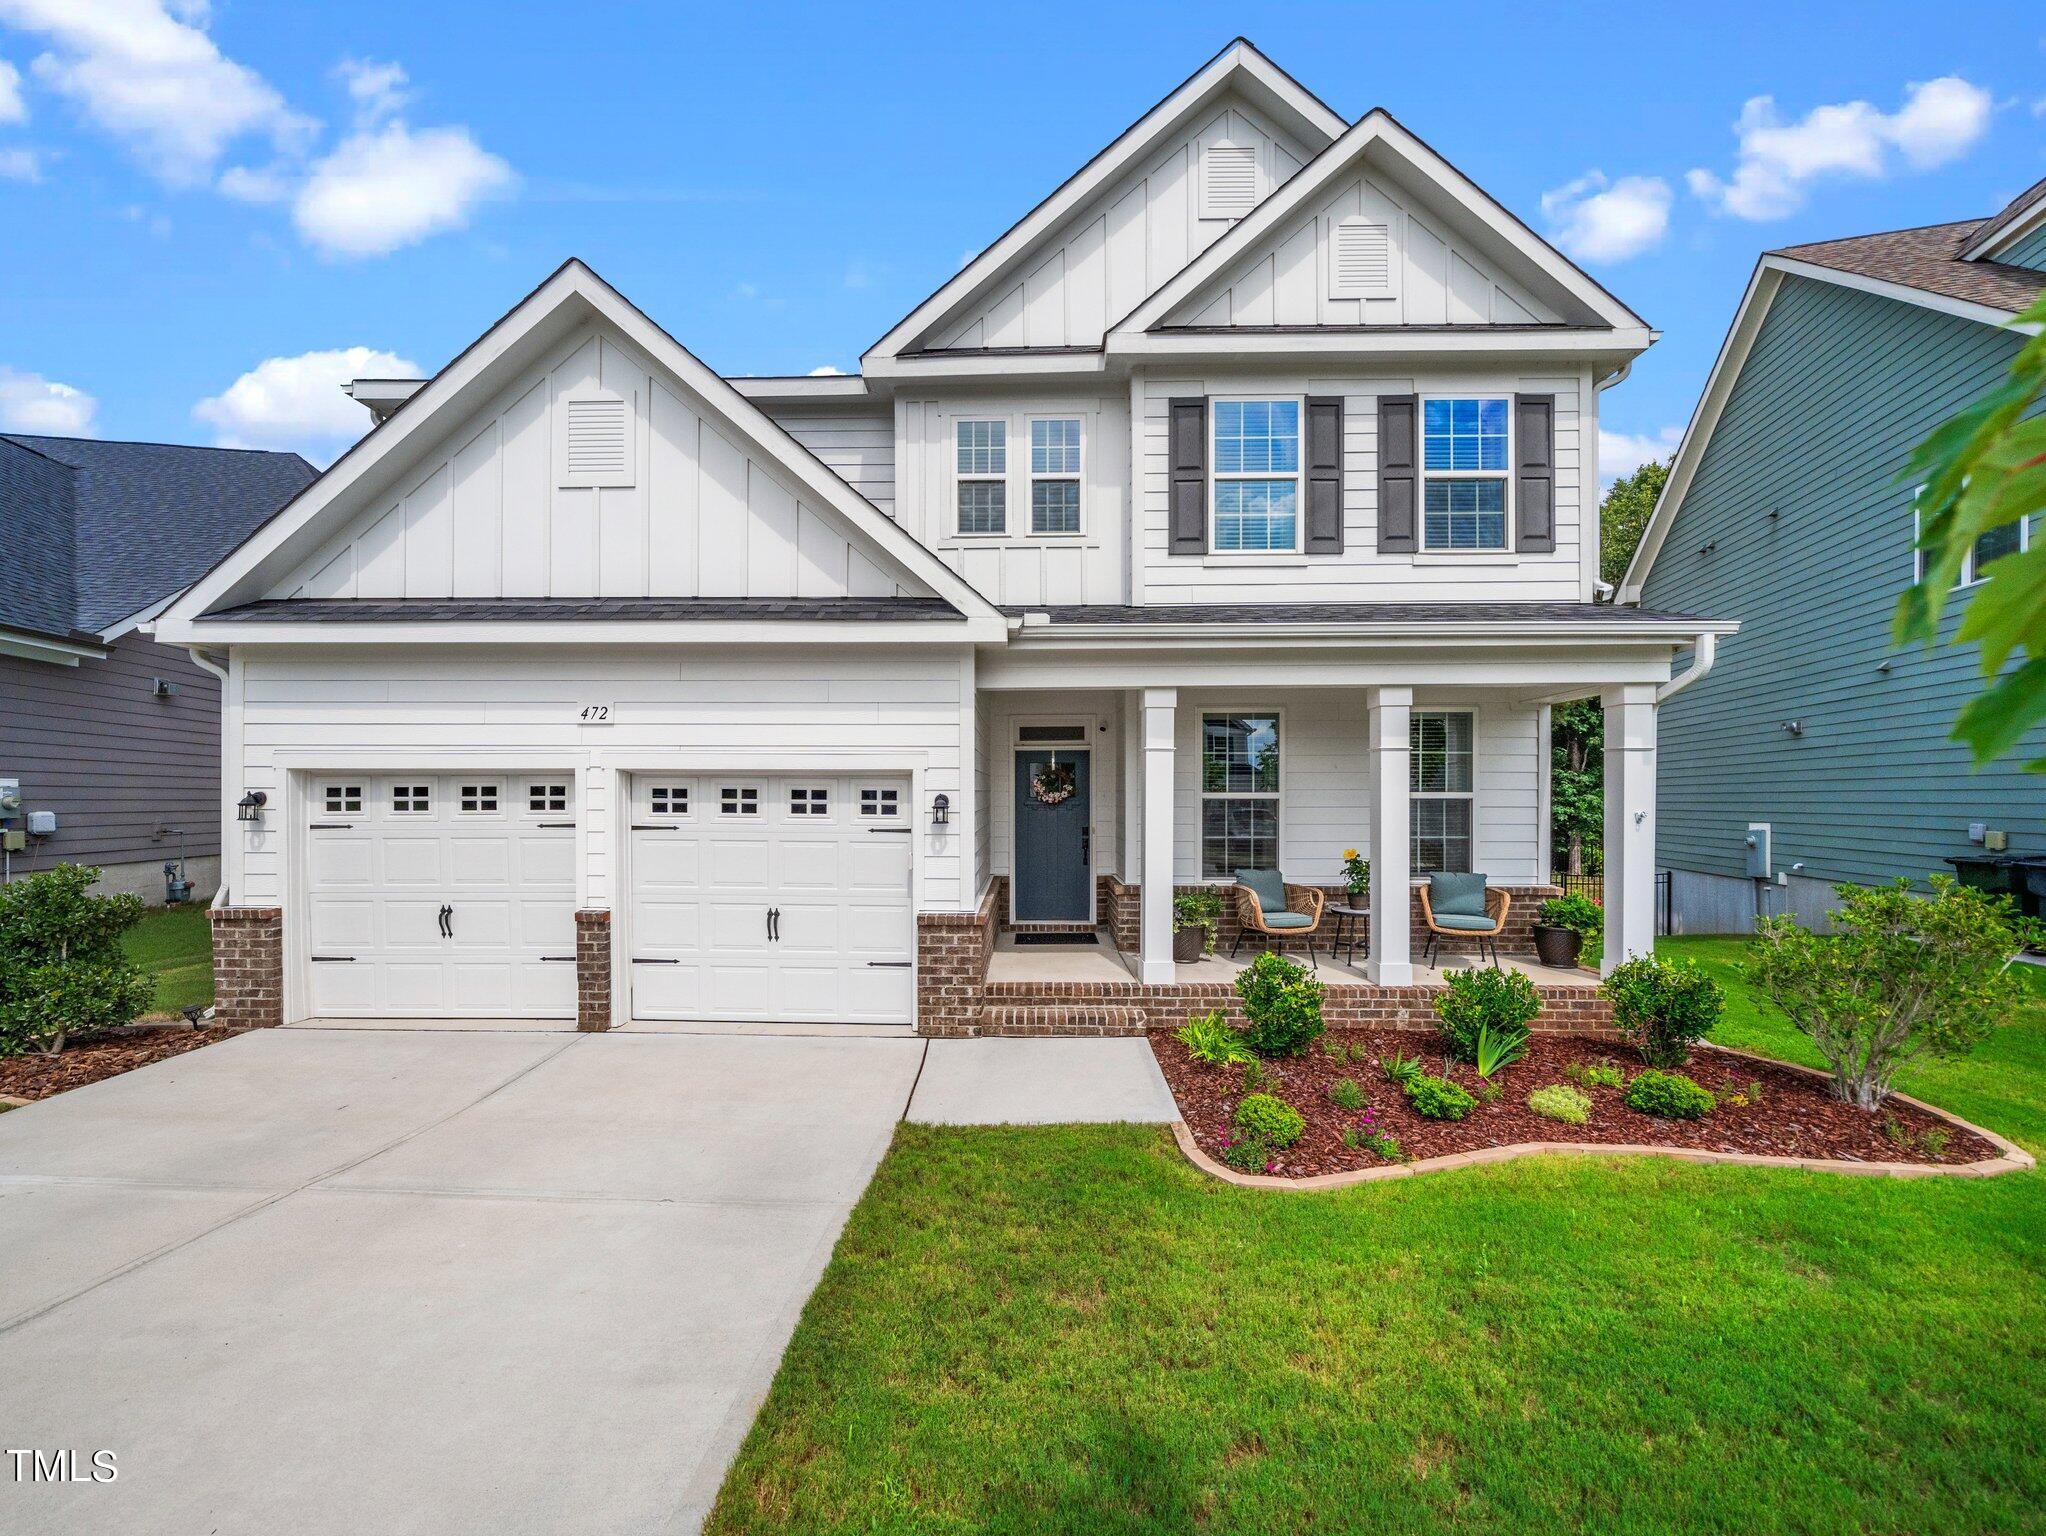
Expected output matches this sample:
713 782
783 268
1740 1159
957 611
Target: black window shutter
1398 476
1187 515
1325 475
1534 491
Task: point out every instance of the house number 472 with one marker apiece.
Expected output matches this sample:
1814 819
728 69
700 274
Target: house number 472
595 714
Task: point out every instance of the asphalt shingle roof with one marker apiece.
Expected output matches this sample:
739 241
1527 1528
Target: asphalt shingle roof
1417 614
484 610
1927 259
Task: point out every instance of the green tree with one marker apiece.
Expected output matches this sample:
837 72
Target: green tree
1983 470
62 969
1623 516
1577 772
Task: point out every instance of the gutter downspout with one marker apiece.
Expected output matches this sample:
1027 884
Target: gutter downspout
221 897
1702 656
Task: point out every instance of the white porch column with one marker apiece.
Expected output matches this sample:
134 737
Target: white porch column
1630 822
1132 861
1392 945
1159 708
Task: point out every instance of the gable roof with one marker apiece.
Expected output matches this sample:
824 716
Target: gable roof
1378 127
119 527
2028 208
1239 65
572 295
1932 260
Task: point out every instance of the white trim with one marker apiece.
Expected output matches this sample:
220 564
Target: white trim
1229 344
1763 286
61 653
1375 127
1980 249
231 632
1239 64
1297 549
806 389
572 296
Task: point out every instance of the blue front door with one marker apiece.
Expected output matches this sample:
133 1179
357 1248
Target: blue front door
1053 863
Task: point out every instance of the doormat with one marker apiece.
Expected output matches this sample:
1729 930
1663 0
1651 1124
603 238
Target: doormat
1056 938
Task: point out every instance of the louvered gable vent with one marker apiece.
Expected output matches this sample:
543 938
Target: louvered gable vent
1228 180
596 440
1360 260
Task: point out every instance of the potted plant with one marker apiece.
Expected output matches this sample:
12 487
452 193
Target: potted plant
1561 927
1357 877
1196 920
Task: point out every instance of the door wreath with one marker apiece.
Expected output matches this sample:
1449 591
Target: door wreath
1053 784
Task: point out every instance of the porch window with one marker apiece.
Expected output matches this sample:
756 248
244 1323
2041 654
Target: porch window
1440 790
983 467
1239 794
1464 462
1055 476
1256 476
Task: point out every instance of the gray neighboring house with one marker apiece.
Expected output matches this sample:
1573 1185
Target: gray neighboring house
1784 510
116 736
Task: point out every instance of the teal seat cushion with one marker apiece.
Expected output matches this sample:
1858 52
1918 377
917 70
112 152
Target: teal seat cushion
1287 920
1267 887
1456 896
1463 922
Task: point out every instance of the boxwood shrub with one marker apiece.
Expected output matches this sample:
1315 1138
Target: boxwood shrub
1670 1095
1436 1098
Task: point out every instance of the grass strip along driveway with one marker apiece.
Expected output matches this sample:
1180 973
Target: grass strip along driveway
1070 1330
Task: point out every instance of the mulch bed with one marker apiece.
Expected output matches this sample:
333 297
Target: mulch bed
38 1076
1795 1116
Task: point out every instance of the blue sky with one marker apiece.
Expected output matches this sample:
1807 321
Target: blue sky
204 205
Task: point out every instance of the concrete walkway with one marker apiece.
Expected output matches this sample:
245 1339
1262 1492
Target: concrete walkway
1040 1082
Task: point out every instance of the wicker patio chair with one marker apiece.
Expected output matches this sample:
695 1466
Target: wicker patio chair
1450 907
1270 908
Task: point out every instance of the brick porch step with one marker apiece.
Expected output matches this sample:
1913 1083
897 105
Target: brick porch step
1060 1018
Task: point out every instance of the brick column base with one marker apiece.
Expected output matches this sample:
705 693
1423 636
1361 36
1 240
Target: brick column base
952 950
592 971
248 966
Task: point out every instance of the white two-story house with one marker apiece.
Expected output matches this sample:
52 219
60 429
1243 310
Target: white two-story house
1235 508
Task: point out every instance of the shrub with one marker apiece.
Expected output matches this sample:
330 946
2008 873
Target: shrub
1499 1048
1561 1102
1669 1095
1257 1078
62 971
1201 909
1490 1093
1604 1074
1248 1152
1436 1098
1345 1094
1580 914
1209 1038
1899 975
1400 1069
1663 1006
1261 1114
1362 1138
1283 1004
1506 1000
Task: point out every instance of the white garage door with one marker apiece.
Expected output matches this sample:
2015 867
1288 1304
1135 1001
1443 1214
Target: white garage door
772 898
442 895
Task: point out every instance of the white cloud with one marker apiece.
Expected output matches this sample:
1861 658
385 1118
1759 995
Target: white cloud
388 187
1939 121
248 184
296 402
20 165
31 403
1597 220
378 89
827 372
12 108
1621 453
155 81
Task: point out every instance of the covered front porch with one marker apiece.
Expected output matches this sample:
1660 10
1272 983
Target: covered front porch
1101 961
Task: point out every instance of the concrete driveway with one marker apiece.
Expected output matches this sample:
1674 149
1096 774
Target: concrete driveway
314 1280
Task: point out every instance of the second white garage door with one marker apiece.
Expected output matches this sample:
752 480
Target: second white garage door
784 898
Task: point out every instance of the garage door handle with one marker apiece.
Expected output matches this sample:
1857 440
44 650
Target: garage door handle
652 960
565 959
333 959
555 826
901 831
890 965
331 826
447 922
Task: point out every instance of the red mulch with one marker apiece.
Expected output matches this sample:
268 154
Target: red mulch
38 1076
1796 1116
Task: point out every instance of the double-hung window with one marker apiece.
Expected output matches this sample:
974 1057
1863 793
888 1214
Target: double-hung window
1256 476
982 473
2010 539
1239 794
1055 475
1441 789
1464 459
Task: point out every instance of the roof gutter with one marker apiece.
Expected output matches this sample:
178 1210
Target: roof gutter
1703 654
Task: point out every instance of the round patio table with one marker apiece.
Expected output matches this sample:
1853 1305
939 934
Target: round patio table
1350 918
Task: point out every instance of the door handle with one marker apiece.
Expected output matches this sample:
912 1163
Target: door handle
774 924
447 921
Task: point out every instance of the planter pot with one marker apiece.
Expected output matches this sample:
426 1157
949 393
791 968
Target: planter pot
1558 946
1188 944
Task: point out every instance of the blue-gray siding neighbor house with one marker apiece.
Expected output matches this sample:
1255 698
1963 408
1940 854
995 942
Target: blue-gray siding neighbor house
1812 733
109 742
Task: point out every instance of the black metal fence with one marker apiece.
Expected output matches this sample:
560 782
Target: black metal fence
1594 886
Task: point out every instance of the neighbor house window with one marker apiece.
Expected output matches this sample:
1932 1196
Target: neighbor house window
2010 539
1441 790
1464 460
1239 794
1055 476
1256 476
983 467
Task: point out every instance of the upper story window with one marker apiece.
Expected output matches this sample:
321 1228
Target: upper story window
983 467
2010 539
1464 459
1256 476
1055 475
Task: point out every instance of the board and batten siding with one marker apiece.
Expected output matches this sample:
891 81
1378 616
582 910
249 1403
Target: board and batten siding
1796 526
702 515
903 709
116 762
1362 573
856 442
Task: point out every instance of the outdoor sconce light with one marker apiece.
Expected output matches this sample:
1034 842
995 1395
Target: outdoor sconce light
941 810
250 806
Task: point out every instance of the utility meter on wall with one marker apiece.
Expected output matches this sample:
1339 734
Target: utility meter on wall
10 799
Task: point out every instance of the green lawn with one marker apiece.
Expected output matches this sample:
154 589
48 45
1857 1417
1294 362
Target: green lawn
175 945
1070 1330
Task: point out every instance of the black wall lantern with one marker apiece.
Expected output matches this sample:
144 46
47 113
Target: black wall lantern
941 810
250 806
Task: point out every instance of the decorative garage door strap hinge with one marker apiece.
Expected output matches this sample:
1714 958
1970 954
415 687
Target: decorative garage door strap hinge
899 831
333 959
556 826
890 965
332 826
564 959
653 960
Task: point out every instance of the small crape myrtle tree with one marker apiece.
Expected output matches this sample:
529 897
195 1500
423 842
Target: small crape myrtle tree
62 969
1897 976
